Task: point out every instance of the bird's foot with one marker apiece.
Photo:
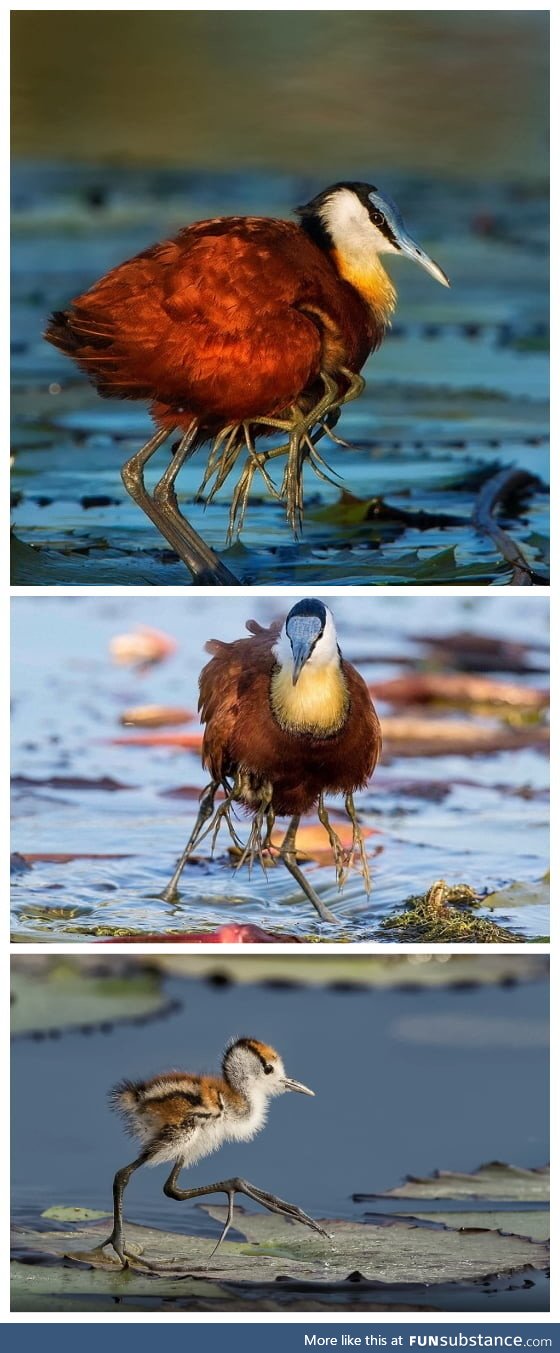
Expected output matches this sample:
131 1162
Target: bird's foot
342 857
290 1210
259 839
124 1255
358 844
223 814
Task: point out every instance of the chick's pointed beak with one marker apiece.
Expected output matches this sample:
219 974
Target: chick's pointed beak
296 1085
413 251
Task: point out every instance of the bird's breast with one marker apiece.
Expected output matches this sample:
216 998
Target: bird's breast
317 704
241 1123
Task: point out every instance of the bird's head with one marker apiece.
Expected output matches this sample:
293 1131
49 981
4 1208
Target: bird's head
357 223
308 638
256 1069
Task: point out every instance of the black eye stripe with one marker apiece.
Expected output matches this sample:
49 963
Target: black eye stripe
382 224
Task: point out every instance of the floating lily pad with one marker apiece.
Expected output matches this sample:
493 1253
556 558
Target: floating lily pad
400 1252
73 1214
534 1225
357 969
495 1181
521 895
59 997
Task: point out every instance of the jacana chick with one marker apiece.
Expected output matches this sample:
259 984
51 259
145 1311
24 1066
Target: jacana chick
287 720
240 327
181 1117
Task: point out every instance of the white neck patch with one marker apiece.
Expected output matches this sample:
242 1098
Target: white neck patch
351 229
324 653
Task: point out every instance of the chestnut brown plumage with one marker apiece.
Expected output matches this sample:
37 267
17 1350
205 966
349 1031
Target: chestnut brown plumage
241 729
287 720
238 327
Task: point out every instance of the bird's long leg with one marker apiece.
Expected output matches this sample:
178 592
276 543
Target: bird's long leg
232 1186
116 1238
356 385
201 561
287 853
358 841
342 858
205 812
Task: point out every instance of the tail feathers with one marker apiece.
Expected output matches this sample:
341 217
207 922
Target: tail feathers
125 1097
59 331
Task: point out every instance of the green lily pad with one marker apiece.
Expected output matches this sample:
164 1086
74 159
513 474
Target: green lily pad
399 1252
73 1214
534 1225
521 895
496 1181
64 996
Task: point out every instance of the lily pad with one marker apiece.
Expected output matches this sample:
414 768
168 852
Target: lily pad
521 895
60 997
398 1252
534 1225
73 1214
356 969
496 1181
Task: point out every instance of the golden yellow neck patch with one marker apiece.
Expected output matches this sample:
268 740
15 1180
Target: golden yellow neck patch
317 704
369 278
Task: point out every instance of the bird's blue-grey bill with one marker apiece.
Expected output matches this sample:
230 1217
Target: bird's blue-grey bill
303 632
414 252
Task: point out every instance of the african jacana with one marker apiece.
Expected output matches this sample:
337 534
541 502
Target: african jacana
242 327
182 1118
287 720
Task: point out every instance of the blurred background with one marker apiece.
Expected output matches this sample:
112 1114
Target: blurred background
129 125
419 1063
329 94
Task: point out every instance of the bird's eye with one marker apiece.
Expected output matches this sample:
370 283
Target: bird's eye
268 1070
377 217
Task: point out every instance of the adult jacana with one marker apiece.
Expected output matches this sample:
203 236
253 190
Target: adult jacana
287 720
181 1117
237 328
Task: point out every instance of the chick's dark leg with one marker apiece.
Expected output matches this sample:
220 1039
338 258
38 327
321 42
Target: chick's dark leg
201 561
230 1187
287 854
116 1238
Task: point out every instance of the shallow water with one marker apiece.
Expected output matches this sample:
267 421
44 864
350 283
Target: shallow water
67 702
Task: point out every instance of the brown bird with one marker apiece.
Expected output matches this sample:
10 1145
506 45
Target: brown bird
287 720
236 328
182 1117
